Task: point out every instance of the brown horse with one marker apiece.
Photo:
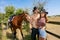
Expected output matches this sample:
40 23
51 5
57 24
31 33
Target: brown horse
17 23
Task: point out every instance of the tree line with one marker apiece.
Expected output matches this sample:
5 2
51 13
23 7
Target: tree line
9 10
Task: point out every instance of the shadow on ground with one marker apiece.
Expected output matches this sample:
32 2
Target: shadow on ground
27 37
55 35
54 22
9 36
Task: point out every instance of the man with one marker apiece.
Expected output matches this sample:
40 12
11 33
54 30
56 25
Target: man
33 21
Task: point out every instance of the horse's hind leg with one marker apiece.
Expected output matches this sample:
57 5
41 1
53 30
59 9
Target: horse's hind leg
21 32
14 33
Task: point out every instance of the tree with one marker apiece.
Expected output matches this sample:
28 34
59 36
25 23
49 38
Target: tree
19 11
40 4
1 17
9 10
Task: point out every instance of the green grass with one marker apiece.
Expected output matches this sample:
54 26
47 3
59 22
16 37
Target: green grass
27 37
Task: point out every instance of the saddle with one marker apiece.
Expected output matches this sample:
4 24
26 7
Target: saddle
10 20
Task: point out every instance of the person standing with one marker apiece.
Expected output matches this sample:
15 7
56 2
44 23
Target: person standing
33 20
41 22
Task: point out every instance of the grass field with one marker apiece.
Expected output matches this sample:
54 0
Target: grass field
54 18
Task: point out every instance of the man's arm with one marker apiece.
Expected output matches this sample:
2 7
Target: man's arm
30 21
28 18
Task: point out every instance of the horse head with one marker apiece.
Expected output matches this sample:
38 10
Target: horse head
24 16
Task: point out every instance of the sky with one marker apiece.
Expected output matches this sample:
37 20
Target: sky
52 6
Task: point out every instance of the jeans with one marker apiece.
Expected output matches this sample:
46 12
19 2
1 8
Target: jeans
34 32
42 33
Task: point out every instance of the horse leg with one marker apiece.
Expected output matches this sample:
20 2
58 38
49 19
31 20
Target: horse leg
21 32
14 33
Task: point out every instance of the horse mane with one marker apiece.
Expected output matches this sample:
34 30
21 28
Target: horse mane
20 14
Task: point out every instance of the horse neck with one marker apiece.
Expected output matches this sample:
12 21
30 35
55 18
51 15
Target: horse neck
22 16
